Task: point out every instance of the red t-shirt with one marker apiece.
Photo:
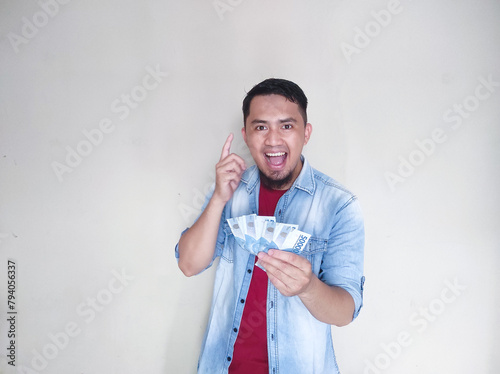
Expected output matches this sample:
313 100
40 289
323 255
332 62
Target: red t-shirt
250 348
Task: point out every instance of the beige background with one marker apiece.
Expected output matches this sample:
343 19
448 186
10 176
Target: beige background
98 288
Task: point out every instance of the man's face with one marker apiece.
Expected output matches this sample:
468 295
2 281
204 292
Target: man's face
275 135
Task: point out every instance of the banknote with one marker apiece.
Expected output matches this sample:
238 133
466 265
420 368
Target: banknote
261 233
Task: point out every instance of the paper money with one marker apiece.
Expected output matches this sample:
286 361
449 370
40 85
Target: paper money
237 231
261 233
296 240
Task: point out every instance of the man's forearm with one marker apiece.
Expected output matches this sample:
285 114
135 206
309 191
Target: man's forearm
328 304
197 245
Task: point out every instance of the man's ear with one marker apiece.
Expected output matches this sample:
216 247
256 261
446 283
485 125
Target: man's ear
308 131
244 133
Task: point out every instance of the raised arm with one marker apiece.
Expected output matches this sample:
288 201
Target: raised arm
197 245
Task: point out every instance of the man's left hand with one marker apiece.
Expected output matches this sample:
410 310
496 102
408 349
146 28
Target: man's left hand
290 273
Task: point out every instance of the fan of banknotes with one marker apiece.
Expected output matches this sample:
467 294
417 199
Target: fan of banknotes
261 233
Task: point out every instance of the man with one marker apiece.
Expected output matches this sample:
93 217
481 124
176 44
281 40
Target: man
277 320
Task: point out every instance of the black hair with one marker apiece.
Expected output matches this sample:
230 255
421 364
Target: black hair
273 86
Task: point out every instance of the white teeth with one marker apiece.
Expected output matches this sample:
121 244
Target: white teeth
275 154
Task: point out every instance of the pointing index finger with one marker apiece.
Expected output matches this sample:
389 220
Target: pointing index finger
226 149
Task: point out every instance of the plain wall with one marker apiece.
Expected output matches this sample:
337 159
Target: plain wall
404 102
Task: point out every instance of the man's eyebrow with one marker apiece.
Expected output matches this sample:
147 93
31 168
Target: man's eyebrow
258 121
284 120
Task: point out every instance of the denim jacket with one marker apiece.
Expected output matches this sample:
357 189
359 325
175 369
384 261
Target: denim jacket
297 342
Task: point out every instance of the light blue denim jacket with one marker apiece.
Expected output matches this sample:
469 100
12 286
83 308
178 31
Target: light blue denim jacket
297 342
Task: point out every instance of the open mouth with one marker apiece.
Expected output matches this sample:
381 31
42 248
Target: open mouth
276 160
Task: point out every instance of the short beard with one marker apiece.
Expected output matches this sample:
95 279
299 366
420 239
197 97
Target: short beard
275 184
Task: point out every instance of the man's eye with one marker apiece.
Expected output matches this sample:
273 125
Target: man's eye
287 127
260 128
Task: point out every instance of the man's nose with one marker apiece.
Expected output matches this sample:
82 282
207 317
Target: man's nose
273 138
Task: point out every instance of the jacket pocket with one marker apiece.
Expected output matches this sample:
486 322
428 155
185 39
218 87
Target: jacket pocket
314 251
228 244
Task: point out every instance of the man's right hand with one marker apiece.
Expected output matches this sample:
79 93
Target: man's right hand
228 172
197 245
